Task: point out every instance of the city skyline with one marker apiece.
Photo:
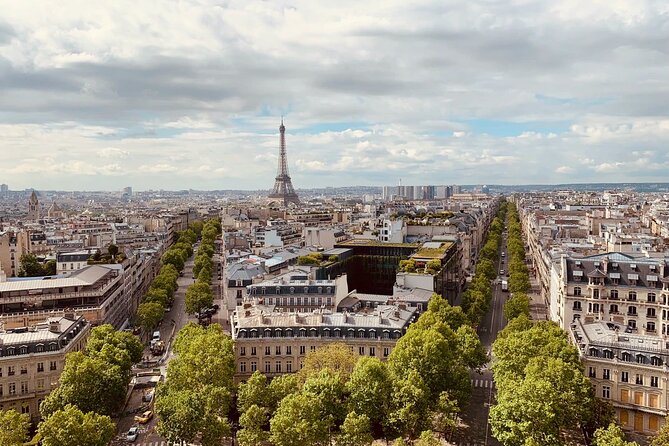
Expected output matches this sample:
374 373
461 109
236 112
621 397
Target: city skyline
434 94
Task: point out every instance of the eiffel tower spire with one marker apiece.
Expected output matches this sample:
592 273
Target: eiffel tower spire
283 186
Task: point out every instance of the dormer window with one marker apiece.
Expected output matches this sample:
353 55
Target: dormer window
614 265
577 263
633 265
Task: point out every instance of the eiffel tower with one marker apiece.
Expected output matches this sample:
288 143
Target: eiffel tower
283 186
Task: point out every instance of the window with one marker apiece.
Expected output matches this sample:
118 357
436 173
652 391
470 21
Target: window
268 350
625 356
606 374
654 360
253 351
614 294
592 372
303 350
606 392
289 366
40 367
631 295
639 379
577 291
640 359
277 367
595 294
654 381
608 354
0 372
312 348
11 370
624 377
577 305
613 309
11 388
631 310
651 297
386 352
289 350
40 384
242 351
277 350
650 326
52 366
650 312
268 367
631 324
24 370
594 352
372 351
242 367
361 351
254 366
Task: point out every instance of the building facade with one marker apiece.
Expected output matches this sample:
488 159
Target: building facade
32 359
275 342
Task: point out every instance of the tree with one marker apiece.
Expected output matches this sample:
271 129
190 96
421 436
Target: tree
370 389
91 384
198 297
14 428
253 392
330 392
175 257
517 305
149 314
446 414
410 413
553 395
280 387
180 413
613 435
50 267
662 437
71 427
307 260
355 431
253 421
158 296
30 266
336 357
202 372
427 438
297 422
112 249
107 334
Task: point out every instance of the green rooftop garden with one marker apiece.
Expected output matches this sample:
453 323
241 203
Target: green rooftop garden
433 253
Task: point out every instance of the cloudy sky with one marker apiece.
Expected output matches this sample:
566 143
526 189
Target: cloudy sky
189 94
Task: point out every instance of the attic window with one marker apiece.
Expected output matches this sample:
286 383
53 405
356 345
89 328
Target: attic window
597 264
614 265
577 263
633 265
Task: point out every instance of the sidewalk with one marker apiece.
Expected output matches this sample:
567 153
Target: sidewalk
538 308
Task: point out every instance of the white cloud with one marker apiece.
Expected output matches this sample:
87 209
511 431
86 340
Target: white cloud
565 170
370 92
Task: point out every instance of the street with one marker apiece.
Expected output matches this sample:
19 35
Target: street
476 430
173 321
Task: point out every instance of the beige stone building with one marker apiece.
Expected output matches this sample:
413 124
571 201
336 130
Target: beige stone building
32 359
276 342
627 369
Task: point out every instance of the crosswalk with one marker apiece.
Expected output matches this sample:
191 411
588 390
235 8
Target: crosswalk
483 383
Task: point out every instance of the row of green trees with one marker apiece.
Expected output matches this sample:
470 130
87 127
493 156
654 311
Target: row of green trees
195 400
519 279
476 299
349 400
541 388
92 387
161 292
199 295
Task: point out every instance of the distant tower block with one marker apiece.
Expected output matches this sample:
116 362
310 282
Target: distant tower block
283 186
33 207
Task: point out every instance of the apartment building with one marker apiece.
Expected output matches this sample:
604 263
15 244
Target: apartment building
627 369
297 291
275 342
98 292
32 359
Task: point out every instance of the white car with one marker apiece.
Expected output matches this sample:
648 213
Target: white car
132 434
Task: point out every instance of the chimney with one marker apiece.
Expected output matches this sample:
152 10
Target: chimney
54 326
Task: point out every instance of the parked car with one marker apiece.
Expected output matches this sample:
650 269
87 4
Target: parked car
501 272
156 336
132 434
145 417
